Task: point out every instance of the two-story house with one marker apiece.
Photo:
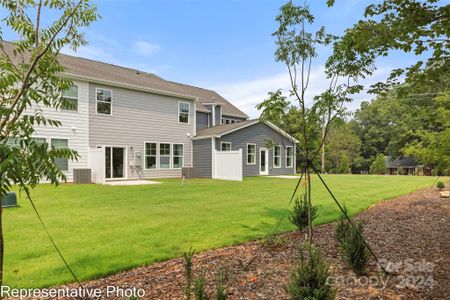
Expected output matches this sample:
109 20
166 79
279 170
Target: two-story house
129 124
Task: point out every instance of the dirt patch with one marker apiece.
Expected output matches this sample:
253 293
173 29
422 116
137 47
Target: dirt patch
411 232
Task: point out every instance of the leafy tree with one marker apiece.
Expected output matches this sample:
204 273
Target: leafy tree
344 164
379 165
30 78
420 27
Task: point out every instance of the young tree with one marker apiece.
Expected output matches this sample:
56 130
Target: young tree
379 165
30 77
296 48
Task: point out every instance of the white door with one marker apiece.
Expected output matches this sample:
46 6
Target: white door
263 161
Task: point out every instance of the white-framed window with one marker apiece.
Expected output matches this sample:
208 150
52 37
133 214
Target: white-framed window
177 156
289 157
63 162
70 98
251 154
277 156
225 146
164 155
39 140
104 101
183 112
151 152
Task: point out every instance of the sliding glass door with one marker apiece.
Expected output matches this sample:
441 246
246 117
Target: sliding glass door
114 162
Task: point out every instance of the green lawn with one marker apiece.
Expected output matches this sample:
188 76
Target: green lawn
104 229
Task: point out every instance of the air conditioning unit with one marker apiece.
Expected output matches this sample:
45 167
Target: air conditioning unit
82 176
10 200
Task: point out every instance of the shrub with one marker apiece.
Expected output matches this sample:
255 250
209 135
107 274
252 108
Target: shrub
440 185
299 213
378 166
199 288
222 278
352 245
188 272
309 279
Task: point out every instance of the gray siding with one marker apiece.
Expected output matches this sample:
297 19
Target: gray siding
139 117
218 115
202 158
258 134
202 120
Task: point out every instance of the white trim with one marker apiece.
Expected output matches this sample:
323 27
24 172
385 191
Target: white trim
195 118
173 155
246 153
128 86
96 102
213 158
145 156
273 157
292 156
221 143
292 139
189 112
266 161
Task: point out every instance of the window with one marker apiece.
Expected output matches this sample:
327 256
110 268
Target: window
150 155
227 121
62 163
183 112
164 155
225 146
177 156
251 154
277 156
104 101
70 98
38 140
289 157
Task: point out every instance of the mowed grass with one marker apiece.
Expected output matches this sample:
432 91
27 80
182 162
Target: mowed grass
105 229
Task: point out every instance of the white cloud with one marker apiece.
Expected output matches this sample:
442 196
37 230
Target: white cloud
145 48
247 94
93 52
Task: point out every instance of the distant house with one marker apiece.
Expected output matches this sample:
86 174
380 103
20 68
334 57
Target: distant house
405 165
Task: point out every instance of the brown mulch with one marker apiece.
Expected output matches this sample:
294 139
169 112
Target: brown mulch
412 232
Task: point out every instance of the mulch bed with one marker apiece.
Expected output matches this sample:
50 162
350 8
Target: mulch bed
412 232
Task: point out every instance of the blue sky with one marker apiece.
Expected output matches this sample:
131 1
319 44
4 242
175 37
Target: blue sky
222 45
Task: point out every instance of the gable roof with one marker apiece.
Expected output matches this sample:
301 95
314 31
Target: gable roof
221 130
104 73
400 161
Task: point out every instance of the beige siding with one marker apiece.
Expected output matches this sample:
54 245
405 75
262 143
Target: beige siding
138 117
74 128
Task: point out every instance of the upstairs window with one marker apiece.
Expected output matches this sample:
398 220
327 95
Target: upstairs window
225 146
177 156
251 154
61 163
104 101
183 112
277 156
289 157
150 155
70 99
164 155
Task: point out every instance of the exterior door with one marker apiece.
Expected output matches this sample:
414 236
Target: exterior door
263 161
114 162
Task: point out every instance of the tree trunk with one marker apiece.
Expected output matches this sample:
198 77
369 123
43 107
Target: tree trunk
308 193
323 148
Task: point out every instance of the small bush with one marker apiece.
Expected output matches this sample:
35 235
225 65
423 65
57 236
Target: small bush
199 288
299 213
378 166
440 185
352 245
309 279
188 272
222 279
